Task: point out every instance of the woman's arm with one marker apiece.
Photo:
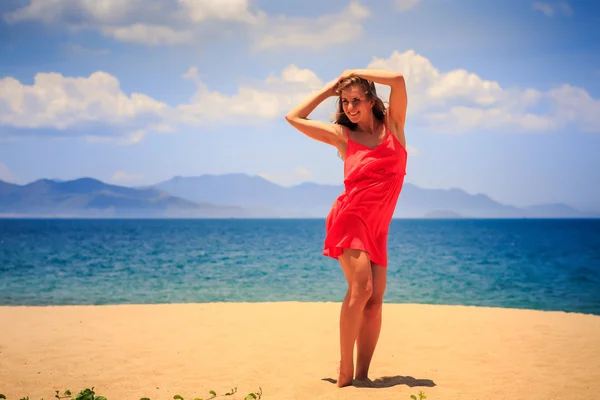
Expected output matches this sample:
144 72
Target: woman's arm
323 132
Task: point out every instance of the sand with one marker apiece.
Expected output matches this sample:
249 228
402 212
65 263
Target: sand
290 350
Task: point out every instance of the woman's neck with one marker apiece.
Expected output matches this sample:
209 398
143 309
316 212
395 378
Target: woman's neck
370 127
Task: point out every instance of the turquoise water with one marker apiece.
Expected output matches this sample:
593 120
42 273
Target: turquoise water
536 264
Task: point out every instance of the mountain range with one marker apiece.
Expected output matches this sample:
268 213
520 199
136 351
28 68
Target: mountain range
241 196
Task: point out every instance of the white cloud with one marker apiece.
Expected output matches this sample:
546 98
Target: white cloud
266 100
122 177
6 174
455 101
127 139
405 5
150 22
550 10
460 101
153 35
78 104
314 34
87 13
177 22
233 10
298 175
574 105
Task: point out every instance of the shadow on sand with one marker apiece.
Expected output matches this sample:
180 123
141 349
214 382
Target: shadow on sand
389 381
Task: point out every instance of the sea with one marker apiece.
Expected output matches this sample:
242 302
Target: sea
539 264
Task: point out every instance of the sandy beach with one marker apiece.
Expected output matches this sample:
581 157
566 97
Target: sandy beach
290 350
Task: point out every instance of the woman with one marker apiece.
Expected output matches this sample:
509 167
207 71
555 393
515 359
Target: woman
371 141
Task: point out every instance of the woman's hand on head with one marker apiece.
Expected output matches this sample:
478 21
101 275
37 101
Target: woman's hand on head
346 74
331 87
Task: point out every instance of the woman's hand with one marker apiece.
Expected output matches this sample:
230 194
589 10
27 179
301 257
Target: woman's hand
331 87
346 74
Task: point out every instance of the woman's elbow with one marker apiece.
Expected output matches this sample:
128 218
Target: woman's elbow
399 79
291 118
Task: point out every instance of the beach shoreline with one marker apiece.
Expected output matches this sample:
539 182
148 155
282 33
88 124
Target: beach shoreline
290 350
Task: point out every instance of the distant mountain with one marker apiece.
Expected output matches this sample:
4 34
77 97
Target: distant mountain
88 197
242 196
542 210
315 200
257 195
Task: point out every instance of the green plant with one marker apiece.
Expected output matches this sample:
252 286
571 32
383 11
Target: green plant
67 393
89 394
250 396
422 396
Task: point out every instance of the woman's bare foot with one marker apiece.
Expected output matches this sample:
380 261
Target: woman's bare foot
345 375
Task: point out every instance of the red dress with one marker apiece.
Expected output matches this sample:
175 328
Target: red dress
361 215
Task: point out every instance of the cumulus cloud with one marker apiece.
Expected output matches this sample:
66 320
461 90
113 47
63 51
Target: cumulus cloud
149 22
314 34
461 101
153 35
178 22
252 103
551 9
78 106
455 101
575 106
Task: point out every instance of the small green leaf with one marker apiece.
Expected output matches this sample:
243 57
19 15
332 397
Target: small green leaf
178 397
412 396
144 398
2 396
100 398
197 398
213 392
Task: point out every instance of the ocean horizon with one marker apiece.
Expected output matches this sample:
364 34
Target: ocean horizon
541 264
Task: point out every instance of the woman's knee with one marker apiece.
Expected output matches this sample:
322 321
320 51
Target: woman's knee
362 288
373 306
357 268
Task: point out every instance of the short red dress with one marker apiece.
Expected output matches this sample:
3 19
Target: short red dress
361 215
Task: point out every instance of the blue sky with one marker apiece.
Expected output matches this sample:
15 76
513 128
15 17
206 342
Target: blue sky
504 96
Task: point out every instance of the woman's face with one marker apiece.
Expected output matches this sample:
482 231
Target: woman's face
355 104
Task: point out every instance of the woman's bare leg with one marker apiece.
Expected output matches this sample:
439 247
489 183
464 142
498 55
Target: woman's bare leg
370 328
357 269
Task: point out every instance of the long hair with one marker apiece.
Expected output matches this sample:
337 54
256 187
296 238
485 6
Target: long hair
370 94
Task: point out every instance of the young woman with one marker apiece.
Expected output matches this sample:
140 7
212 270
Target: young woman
371 141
